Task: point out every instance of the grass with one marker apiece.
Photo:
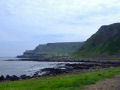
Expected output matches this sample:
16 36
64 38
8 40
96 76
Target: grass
103 43
67 82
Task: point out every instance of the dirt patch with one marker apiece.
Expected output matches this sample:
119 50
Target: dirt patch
107 84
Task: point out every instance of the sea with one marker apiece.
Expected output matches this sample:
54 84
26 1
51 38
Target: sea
13 66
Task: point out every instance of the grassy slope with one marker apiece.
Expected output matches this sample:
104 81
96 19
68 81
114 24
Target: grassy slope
56 49
67 82
105 42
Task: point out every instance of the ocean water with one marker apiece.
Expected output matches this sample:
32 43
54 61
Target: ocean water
24 67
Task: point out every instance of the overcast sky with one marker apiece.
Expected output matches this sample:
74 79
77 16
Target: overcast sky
26 23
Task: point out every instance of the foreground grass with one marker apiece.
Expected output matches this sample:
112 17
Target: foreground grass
67 82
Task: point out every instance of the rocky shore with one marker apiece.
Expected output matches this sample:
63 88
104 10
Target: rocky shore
80 67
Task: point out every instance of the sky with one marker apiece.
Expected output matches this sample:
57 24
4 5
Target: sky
24 24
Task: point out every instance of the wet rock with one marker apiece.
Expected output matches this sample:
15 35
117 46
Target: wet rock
13 78
7 77
53 71
80 66
36 75
24 77
2 78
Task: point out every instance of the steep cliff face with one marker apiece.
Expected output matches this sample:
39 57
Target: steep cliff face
105 42
53 49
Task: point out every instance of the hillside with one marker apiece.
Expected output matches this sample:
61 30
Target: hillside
105 42
53 49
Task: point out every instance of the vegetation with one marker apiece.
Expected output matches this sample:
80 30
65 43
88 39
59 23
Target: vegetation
54 49
106 42
67 82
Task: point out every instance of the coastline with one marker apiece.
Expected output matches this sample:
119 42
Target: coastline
82 66
68 59
62 82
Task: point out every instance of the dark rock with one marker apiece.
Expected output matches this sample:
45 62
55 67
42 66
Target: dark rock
36 75
13 78
23 76
2 78
53 71
101 74
7 77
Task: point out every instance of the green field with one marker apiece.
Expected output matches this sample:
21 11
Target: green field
67 82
